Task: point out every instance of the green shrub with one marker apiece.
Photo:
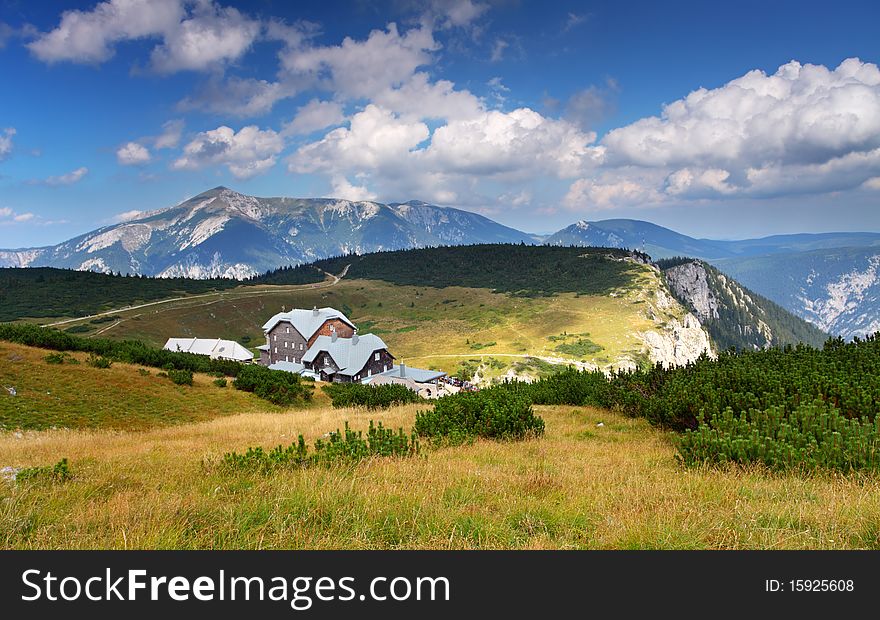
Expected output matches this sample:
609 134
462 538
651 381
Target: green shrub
494 413
220 383
143 372
370 396
56 358
99 361
59 472
181 377
345 447
277 386
812 436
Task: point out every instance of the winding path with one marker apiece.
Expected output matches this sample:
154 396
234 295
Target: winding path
256 290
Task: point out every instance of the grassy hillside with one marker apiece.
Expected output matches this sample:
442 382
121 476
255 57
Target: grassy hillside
76 395
581 486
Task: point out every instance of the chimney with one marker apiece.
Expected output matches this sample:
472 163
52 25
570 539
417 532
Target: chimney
333 336
315 311
354 338
402 369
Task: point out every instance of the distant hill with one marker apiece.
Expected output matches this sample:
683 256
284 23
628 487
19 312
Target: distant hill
662 242
836 289
222 233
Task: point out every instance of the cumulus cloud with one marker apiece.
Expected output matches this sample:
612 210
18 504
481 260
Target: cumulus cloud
801 130
132 154
246 153
194 35
70 178
401 155
375 140
314 115
345 190
6 142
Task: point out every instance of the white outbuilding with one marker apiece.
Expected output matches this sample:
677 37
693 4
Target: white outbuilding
214 348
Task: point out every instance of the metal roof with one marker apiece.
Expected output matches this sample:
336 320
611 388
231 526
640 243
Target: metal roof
307 322
212 347
349 354
288 366
419 375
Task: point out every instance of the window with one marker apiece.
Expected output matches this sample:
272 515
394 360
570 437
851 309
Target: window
378 355
275 338
276 349
286 359
285 344
288 330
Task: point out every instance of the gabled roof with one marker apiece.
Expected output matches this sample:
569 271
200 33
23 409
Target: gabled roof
307 322
213 347
349 354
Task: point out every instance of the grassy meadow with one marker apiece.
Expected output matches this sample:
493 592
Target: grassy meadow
580 486
122 397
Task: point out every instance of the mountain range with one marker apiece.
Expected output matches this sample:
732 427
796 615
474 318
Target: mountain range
829 279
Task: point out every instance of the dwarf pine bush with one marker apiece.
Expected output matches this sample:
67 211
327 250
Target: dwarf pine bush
812 436
493 413
59 472
370 396
346 446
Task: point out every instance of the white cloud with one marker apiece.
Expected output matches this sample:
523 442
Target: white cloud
8 216
363 69
375 140
314 115
127 216
805 129
458 13
90 36
67 179
609 193
873 183
211 36
345 190
132 154
6 142
170 136
234 96
800 114
521 141
194 35
246 153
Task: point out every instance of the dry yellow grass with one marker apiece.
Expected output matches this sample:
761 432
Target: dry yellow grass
581 486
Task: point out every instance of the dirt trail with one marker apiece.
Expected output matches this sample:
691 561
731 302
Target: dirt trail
256 290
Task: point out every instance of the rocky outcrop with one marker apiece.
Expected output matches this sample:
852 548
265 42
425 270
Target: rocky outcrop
678 342
690 282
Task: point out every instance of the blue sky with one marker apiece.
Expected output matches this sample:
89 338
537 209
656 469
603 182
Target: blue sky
757 119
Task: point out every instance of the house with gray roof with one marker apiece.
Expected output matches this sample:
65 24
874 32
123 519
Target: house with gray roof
334 358
290 334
